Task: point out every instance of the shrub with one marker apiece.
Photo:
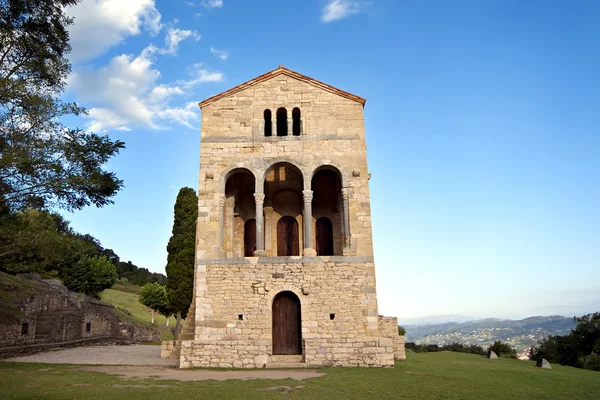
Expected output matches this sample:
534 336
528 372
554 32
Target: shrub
503 349
401 330
592 362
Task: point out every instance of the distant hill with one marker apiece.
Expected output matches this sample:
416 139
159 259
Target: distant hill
520 334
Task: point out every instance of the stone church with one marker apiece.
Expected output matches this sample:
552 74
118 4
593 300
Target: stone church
284 272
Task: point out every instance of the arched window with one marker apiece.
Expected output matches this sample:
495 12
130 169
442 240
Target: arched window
250 238
288 241
268 123
282 125
324 234
296 122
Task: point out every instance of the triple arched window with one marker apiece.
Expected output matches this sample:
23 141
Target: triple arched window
283 126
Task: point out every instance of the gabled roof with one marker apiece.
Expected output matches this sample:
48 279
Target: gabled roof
279 71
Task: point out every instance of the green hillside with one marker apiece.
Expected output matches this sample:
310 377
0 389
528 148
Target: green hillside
125 297
428 376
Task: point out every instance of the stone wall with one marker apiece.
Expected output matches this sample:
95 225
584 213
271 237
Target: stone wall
50 314
339 319
388 326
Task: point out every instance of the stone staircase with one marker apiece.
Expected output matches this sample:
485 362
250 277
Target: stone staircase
287 361
47 324
172 348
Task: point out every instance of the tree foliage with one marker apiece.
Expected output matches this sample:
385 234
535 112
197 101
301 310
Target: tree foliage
181 252
91 276
456 347
154 296
44 163
42 242
502 349
580 348
401 330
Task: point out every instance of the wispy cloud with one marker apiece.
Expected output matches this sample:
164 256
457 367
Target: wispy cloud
212 3
222 54
338 9
175 36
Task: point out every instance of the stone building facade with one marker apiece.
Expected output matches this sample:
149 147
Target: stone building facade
284 272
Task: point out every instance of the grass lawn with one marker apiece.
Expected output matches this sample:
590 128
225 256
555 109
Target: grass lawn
140 314
443 375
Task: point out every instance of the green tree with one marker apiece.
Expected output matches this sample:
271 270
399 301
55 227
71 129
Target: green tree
181 254
587 333
44 163
503 349
90 276
401 331
154 296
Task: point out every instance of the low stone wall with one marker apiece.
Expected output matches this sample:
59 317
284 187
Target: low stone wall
49 315
388 326
360 352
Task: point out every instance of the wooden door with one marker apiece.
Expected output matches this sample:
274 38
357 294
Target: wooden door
288 241
287 328
324 229
249 238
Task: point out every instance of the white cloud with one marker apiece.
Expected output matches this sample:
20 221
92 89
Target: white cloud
126 93
101 24
175 36
222 54
338 9
212 3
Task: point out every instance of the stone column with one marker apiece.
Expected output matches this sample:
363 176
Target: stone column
290 123
221 206
346 219
259 199
307 222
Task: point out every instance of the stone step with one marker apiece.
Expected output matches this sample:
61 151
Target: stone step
287 358
285 365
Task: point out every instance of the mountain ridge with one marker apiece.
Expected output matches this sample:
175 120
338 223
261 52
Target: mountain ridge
520 334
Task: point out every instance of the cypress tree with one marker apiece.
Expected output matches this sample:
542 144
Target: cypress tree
181 253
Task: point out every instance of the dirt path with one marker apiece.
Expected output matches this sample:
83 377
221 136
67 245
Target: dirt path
187 375
102 355
140 362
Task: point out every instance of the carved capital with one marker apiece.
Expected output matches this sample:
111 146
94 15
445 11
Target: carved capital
307 195
345 193
259 198
221 200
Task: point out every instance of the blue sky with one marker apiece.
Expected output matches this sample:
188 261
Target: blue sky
482 119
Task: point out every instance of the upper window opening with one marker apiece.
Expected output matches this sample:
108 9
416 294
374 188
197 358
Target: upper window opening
268 123
282 125
296 122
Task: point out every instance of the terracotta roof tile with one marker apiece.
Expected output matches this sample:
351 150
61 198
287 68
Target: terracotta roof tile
284 71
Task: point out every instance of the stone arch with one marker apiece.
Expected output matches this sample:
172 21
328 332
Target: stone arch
275 290
281 160
330 166
232 170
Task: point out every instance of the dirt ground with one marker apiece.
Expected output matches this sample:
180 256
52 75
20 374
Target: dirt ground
101 355
140 361
187 375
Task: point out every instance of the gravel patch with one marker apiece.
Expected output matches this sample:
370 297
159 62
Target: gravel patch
101 355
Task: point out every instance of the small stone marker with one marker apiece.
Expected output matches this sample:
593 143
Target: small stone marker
492 355
543 363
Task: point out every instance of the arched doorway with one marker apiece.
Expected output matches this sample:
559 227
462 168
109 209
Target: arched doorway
250 238
288 241
287 324
324 234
